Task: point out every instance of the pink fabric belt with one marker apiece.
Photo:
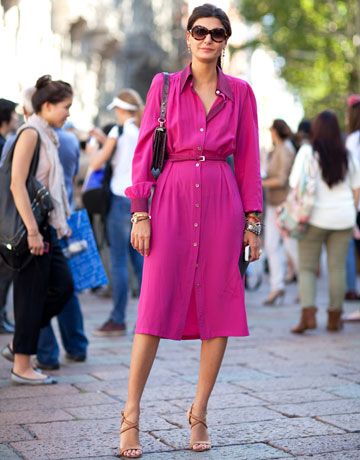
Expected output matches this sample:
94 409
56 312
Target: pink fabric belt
187 156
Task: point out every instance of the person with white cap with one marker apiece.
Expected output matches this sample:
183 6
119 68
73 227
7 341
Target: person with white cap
119 149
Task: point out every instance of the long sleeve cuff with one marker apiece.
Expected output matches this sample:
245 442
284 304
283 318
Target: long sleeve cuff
139 205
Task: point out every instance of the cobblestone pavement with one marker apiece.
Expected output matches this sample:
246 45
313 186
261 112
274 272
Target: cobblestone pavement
278 396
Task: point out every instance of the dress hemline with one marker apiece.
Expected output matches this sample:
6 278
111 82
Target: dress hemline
189 337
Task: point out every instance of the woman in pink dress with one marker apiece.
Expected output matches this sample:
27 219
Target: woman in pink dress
201 216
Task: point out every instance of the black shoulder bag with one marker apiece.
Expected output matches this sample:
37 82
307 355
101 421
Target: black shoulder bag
96 192
13 234
160 135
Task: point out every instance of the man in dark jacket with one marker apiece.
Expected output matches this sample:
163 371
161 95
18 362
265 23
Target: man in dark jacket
8 123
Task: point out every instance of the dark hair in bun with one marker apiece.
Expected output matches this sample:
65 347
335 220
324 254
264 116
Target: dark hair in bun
51 91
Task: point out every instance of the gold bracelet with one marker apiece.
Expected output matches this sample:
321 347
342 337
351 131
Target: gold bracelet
140 214
136 218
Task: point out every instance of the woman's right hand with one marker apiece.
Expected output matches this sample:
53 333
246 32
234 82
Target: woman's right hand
36 244
140 237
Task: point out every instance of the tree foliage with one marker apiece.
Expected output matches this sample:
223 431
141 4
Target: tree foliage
319 41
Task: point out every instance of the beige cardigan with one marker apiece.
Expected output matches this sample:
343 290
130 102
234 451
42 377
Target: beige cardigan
279 164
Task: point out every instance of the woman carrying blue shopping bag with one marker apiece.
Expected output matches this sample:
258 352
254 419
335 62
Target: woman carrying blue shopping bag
119 150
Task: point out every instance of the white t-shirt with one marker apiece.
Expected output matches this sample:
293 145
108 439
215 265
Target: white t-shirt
123 156
334 207
353 144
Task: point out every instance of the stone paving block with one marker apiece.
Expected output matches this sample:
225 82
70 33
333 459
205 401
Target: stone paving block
318 444
56 402
172 392
119 387
251 432
86 447
33 391
116 374
163 407
353 377
7 454
345 391
10 433
295 396
33 416
291 383
341 406
223 402
243 452
348 422
231 375
226 416
84 428
348 455
73 378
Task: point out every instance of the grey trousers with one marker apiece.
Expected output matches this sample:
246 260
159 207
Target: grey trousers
336 242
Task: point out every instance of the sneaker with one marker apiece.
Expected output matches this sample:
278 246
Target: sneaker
110 329
76 358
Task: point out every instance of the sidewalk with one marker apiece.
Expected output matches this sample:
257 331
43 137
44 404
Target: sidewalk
278 396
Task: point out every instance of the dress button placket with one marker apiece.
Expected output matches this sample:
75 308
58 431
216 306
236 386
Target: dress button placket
196 222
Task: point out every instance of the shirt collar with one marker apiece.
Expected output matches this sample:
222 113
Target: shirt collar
129 121
222 83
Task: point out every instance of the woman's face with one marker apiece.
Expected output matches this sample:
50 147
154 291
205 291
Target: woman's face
56 114
206 50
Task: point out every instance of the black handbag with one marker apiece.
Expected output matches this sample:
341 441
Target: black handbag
160 135
13 234
96 191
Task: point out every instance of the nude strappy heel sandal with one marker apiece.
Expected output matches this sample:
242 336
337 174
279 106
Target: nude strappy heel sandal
193 421
129 426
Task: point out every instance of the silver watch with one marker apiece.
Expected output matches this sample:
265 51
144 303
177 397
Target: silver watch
254 227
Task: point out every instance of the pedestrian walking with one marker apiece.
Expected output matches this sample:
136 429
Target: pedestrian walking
331 221
119 150
8 124
201 216
44 285
276 184
70 319
353 146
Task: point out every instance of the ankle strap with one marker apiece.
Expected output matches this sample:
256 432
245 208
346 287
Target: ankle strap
130 425
197 418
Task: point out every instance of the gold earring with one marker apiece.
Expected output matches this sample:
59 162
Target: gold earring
222 57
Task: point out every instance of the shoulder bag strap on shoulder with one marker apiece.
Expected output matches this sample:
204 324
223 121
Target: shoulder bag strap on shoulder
164 98
35 159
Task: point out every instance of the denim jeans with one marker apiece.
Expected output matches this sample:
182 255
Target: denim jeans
351 272
118 230
72 334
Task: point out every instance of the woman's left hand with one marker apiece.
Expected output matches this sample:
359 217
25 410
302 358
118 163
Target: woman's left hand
254 241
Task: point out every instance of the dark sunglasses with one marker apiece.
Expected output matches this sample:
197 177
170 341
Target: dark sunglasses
218 35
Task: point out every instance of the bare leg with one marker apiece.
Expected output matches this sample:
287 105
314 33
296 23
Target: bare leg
142 357
212 353
22 366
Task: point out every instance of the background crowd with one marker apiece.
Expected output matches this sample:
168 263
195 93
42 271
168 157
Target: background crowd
332 227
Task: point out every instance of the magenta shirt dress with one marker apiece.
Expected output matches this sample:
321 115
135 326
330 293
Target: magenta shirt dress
191 286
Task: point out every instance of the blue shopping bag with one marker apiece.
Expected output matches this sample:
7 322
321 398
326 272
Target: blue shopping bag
82 254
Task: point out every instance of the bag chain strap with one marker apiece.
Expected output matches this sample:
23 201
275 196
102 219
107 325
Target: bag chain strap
164 99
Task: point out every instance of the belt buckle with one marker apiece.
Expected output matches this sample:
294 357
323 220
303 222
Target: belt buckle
201 158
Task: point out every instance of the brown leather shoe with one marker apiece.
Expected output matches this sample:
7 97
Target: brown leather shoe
110 329
307 320
334 320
